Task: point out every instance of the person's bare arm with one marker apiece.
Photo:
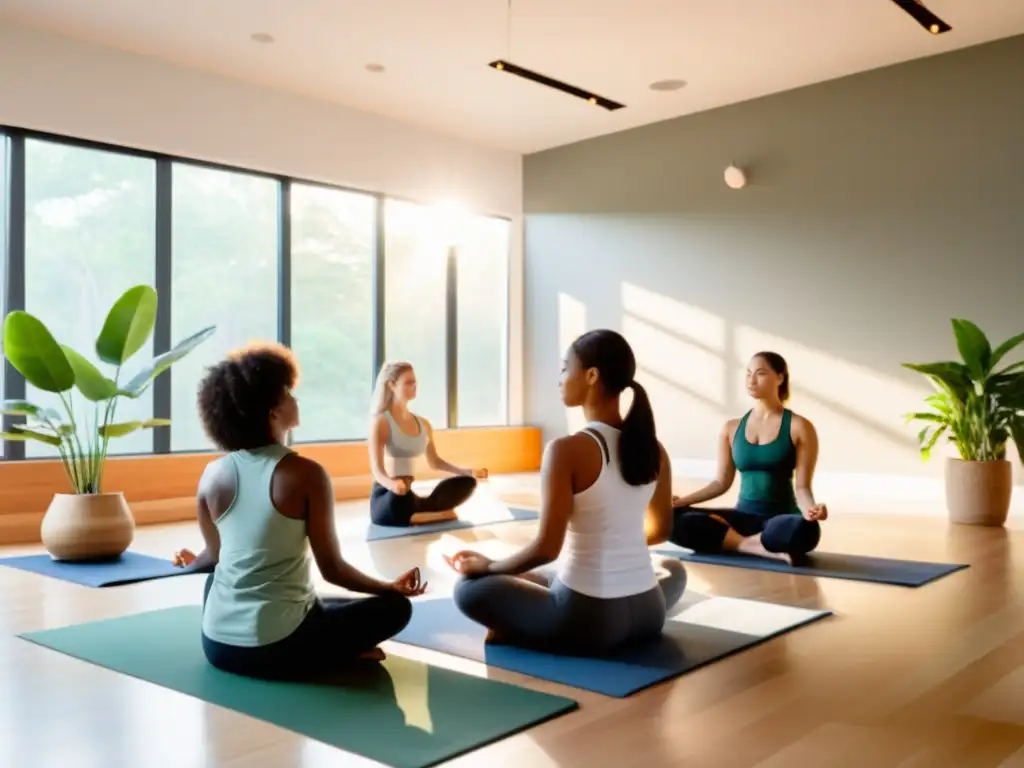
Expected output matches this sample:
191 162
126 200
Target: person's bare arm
323 536
805 437
434 460
556 507
210 554
726 472
378 437
658 520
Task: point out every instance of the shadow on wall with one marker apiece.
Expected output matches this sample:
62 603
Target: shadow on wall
693 363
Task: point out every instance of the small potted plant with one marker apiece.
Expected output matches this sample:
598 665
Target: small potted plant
87 523
979 407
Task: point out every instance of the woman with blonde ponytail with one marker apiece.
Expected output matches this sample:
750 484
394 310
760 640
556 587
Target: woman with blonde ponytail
398 437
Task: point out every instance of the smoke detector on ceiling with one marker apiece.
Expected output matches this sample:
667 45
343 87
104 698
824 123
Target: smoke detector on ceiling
667 85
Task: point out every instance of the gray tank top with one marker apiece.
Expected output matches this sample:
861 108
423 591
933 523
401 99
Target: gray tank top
402 448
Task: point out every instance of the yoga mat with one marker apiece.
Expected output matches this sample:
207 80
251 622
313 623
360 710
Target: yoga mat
402 713
129 568
507 515
706 629
901 573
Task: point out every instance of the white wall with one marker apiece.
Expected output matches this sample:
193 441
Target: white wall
65 86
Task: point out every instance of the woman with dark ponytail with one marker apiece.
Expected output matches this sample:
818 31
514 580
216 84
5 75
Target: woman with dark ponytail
606 497
767 446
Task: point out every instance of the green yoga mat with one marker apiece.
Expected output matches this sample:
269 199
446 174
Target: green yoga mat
402 712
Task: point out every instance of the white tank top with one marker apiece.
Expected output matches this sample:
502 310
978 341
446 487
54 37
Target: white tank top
605 553
402 449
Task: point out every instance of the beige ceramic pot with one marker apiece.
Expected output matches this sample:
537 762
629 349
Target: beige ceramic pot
87 526
978 492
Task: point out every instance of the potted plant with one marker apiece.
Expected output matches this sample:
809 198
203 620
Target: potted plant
979 407
87 523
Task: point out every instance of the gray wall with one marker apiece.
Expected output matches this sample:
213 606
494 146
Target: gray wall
878 206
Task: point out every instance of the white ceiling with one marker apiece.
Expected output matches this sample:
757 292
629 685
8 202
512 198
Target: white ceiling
436 51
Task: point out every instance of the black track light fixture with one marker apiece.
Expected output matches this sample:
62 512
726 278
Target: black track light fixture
923 16
527 74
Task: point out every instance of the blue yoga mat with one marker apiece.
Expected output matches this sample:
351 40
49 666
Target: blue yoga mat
704 630
126 569
880 570
375 532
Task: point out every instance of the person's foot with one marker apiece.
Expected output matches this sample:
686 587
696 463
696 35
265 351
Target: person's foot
493 638
374 654
752 546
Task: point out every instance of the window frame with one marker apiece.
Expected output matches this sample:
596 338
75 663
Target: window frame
13 262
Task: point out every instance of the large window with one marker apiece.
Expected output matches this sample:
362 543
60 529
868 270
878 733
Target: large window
415 287
333 234
221 245
224 239
482 291
90 222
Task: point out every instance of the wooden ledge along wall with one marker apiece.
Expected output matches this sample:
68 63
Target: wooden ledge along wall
161 489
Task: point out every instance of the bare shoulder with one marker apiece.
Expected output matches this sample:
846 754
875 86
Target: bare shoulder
426 424
564 448
303 470
802 427
729 429
379 424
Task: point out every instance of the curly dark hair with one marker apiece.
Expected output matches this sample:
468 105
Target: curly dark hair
237 395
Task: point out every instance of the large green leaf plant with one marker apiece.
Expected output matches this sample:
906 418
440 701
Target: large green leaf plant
53 367
978 406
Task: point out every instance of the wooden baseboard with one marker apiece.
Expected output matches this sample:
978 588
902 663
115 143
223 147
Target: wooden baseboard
161 489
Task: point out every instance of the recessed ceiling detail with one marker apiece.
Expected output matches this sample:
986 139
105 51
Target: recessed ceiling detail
667 85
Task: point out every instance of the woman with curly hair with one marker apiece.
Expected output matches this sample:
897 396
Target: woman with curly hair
261 508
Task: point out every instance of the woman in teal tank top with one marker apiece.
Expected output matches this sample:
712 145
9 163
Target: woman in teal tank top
261 508
768 445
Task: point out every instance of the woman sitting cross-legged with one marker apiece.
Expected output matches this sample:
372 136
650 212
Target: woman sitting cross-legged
261 508
398 437
605 497
767 445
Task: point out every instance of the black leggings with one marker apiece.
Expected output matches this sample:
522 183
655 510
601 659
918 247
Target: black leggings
696 529
387 508
334 632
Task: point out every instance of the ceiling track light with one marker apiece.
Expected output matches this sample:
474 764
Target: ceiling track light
923 16
558 85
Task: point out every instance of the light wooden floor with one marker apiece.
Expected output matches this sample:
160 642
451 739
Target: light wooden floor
898 677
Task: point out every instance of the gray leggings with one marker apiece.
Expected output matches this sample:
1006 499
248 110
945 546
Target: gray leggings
538 611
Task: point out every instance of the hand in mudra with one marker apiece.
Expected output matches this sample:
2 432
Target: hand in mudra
817 513
480 474
183 557
469 563
400 487
409 584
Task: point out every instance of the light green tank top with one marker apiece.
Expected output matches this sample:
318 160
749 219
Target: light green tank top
262 589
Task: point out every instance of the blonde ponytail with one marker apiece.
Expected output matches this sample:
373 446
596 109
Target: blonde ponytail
389 374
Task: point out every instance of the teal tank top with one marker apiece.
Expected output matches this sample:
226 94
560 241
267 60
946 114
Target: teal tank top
766 471
262 588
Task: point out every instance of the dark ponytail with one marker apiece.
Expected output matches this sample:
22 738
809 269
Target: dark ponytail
778 364
611 355
639 453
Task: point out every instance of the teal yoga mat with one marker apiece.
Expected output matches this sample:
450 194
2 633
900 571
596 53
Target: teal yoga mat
377 711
